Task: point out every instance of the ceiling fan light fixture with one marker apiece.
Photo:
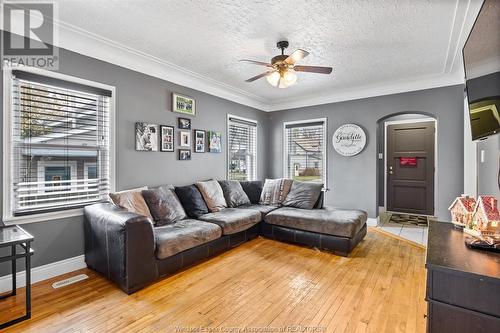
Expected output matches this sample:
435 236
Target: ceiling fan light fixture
273 78
290 77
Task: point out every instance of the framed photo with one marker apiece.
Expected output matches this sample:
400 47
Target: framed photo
184 154
183 104
167 138
214 141
184 123
199 141
146 137
185 138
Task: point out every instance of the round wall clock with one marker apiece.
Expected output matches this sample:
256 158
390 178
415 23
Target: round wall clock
349 140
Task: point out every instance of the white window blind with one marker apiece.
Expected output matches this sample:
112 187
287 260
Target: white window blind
305 154
242 149
60 144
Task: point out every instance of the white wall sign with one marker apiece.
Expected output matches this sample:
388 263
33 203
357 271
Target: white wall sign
349 140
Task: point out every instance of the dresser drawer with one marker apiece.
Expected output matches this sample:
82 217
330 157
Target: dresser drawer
465 290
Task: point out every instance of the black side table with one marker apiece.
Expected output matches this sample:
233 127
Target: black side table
14 237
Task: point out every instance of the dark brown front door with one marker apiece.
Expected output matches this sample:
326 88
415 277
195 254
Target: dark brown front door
410 168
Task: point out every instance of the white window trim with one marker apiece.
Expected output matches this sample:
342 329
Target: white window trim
7 217
325 146
41 171
86 166
256 143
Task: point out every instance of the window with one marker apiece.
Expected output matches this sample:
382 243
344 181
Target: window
59 144
242 148
305 152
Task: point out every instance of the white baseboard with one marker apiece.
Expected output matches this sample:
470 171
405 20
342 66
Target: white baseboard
44 272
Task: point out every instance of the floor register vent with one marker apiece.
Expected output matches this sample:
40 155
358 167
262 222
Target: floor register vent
69 281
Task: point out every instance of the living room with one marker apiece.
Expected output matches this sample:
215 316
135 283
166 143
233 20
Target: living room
325 166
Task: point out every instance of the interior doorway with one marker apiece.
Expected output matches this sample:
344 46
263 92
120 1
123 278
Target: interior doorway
410 167
407 174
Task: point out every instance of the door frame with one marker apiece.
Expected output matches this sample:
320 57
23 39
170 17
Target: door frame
413 121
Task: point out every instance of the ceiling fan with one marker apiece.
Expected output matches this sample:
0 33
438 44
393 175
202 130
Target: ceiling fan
281 70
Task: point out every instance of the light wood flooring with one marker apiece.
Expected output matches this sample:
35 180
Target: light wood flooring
262 284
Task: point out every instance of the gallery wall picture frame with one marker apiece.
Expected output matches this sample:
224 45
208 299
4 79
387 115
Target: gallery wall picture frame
200 140
183 104
214 141
184 154
167 138
184 123
185 138
146 136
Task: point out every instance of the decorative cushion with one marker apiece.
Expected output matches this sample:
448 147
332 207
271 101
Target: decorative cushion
303 195
183 235
233 193
253 189
233 220
329 221
164 205
275 191
191 200
132 201
213 195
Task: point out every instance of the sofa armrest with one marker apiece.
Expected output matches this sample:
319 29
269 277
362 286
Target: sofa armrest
120 245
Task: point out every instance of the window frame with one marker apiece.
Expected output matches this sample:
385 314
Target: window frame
325 146
7 214
229 116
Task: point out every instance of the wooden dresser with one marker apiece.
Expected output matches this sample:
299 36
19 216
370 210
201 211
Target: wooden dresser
463 285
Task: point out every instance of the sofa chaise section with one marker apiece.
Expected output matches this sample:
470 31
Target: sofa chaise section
336 230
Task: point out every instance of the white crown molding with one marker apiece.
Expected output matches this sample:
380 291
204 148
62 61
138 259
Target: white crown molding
81 41
89 44
379 89
44 272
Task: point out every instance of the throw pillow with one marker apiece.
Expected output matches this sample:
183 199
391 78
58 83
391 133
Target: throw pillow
233 193
213 195
275 191
192 201
253 190
132 201
164 205
303 195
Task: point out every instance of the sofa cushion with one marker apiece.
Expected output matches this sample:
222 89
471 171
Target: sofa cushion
191 200
275 191
132 200
183 235
253 189
263 209
233 193
329 221
303 195
164 205
213 195
233 220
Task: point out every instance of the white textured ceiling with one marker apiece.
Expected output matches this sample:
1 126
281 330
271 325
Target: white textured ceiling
367 42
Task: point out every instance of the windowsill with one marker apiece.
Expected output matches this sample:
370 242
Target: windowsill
43 217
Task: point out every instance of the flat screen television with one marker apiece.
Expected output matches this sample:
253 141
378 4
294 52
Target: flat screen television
481 55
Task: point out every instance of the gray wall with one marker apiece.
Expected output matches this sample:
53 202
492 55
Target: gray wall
352 180
142 98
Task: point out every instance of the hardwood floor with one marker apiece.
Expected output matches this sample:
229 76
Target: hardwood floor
263 283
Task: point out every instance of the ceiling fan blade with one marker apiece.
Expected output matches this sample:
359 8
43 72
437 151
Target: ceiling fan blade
297 55
259 76
257 62
313 69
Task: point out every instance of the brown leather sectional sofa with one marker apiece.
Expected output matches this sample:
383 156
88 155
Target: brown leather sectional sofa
129 250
